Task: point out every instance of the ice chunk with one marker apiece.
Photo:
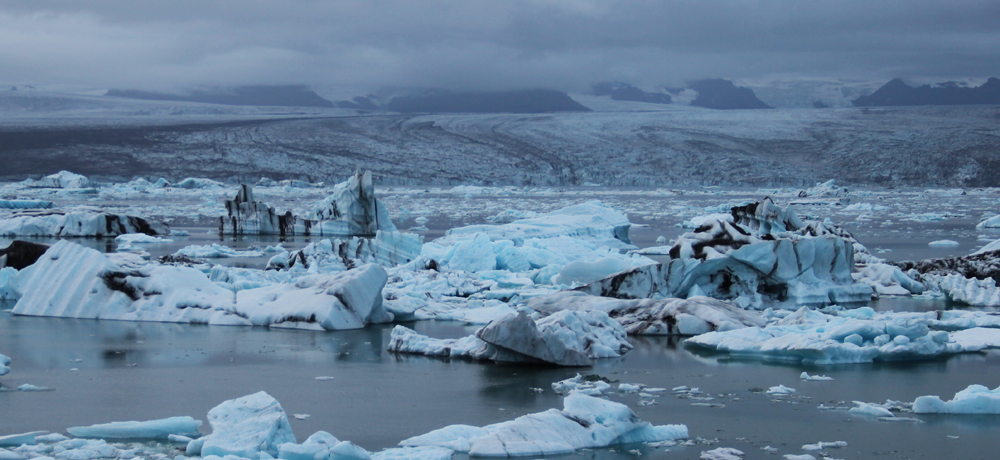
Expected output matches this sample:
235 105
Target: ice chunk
584 422
140 238
76 222
870 410
976 399
722 453
814 378
692 316
14 440
322 446
63 179
347 300
216 251
780 390
407 341
590 219
247 426
30 387
566 338
414 453
824 445
153 429
943 244
992 222
798 457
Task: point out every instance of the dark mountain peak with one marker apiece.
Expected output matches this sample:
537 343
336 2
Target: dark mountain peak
719 93
264 95
620 91
897 93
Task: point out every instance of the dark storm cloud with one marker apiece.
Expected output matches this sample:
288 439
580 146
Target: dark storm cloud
565 44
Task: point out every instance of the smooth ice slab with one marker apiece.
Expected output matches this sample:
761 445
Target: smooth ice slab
584 422
152 429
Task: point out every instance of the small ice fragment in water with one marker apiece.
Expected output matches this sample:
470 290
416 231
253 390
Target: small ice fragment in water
722 453
814 378
870 410
824 445
30 387
324 378
780 390
300 416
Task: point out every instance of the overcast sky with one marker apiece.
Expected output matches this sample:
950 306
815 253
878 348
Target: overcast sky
563 44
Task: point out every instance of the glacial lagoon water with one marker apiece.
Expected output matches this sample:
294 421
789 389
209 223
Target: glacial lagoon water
104 371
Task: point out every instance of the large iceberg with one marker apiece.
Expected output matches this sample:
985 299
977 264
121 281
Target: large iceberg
765 254
82 221
584 422
153 429
565 338
246 427
976 399
350 210
692 316
72 281
849 336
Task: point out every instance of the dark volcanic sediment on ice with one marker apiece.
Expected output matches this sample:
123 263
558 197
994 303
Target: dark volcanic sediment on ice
915 146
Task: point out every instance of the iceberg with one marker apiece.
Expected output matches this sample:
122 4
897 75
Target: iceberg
62 179
72 281
246 427
153 429
992 222
350 210
76 222
565 338
585 422
322 446
851 336
976 399
722 453
216 251
387 249
692 316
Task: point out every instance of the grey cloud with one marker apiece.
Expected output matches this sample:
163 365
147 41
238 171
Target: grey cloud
566 44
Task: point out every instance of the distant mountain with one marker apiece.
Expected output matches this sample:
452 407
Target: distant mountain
524 101
717 93
282 96
897 93
626 92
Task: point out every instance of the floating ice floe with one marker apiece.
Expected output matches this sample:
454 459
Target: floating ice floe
780 390
585 422
566 338
765 249
886 279
870 410
81 221
849 336
153 429
590 385
722 453
825 445
943 244
26 204
992 222
414 453
693 316
976 399
350 210
814 378
14 440
72 281
140 238
216 251
587 220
